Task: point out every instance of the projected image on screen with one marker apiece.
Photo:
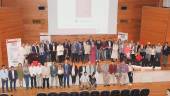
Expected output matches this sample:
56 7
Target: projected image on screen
71 17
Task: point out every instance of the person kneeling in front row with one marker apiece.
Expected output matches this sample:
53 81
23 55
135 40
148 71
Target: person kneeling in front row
84 81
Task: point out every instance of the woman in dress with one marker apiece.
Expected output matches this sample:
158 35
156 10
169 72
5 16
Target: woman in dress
60 75
20 74
114 55
93 54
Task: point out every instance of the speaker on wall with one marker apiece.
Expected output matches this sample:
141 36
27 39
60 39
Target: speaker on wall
41 7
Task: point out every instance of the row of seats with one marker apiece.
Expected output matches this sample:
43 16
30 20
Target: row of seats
126 92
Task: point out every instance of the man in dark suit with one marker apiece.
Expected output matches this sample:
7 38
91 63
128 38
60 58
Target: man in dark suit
13 75
165 53
67 72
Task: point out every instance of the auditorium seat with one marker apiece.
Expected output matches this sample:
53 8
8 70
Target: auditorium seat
115 93
125 92
52 94
63 94
41 94
135 92
105 93
84 93
144 92
95 93
74 94
3 94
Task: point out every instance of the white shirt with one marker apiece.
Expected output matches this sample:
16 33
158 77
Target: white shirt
152 51
13 74
84 79
87 49
45 72
3 74
32 70
60 71
60 50
130 68
38 70
28 49
73 71
158 49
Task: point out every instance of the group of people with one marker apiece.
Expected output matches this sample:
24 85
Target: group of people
96 50
53 74
82 61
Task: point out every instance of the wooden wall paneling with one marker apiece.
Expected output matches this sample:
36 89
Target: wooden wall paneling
133 15
0 55
11 26
154 24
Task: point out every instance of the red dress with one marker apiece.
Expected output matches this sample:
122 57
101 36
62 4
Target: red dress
93 55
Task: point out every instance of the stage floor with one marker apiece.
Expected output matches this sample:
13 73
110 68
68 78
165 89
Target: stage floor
157 89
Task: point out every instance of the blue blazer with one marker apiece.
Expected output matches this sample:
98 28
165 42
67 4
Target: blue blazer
67 71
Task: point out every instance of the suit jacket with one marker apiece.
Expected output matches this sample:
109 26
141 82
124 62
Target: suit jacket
45 48
33 49
51 47
53 71
37 47
67 69
10 75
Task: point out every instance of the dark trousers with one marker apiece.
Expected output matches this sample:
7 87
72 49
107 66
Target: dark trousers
53 56
45 80
152 61
121 56
74 57
66 78
60 77
26 78
33 82
13 84
80 58
80 74
4 82
61 58
130 75
73 79
157 59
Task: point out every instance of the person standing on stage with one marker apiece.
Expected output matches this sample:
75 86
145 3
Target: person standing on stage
45 75
4 78
130 74
115 53
165 53
26 73
106 78
13 76
158 49
32 71
60 75
60 52
20 74
93 54
39 75
74 73
67 71
112 71
124 71
53 73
